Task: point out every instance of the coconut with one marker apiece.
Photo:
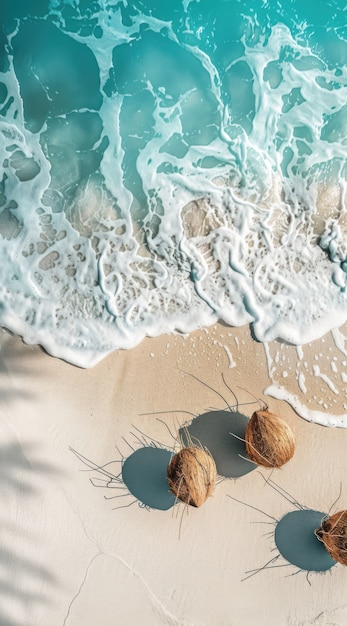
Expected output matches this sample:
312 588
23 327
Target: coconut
269 440
192 475
333 533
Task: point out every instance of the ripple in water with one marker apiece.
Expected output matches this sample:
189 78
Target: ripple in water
166 166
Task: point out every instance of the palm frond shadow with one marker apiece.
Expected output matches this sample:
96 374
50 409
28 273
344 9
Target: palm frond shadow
25 579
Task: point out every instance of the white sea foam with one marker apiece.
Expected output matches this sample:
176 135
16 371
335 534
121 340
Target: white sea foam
192 213
318 417
325 378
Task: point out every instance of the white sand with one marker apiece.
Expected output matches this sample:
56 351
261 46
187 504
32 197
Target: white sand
69 557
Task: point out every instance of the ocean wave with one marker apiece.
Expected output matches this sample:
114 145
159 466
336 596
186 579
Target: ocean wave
168 165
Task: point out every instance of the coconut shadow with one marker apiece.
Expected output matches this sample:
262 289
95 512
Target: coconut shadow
214 430
297 543
145 474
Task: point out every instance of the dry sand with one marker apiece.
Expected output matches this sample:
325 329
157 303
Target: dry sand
69 557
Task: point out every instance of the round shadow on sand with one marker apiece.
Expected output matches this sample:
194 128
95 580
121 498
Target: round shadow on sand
297 543
145 474
215 431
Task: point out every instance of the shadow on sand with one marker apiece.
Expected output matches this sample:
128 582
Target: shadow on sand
25 582
221 432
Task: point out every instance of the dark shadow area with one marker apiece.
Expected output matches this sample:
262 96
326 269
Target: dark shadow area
297 543
17 466
253 335
25 581
218 431
24 352
14 359
145 474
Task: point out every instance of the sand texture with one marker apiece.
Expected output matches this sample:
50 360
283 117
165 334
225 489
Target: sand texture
71 557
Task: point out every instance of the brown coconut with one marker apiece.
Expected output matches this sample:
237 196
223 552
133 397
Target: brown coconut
333 533
269 440
192 475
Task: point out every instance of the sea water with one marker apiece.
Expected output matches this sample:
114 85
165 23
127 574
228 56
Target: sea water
169 163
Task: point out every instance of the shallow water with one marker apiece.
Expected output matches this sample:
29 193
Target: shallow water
169 164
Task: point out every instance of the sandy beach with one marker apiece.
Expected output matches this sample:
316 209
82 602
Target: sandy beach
165 165
70 557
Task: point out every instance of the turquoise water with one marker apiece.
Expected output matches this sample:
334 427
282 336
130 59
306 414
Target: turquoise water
168 164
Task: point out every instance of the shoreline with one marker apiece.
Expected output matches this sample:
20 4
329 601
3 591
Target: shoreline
296 373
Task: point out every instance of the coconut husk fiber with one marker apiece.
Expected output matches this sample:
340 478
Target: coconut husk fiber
333 533
269 440
192 475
